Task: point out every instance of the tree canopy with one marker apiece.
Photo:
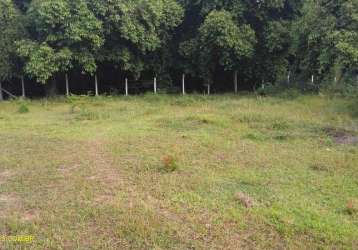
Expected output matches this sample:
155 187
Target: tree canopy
262 40
11 26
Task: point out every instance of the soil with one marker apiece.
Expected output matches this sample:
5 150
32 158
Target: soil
341 136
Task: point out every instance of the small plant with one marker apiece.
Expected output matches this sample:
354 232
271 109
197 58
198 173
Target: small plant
319 167
87 115
23 109
352 207
169 163
280 125
254 137
77 102
281 137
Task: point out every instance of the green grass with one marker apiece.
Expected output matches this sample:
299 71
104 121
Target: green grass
87 173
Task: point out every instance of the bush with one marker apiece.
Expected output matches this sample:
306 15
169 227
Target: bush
282 91
346 89
267 89
23 109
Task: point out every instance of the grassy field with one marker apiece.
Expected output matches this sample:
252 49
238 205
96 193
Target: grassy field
172 172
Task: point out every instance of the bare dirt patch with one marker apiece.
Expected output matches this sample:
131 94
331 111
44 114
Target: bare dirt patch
8 202
67 169
7 199
103 164
341 136
244 199
30 215
5 175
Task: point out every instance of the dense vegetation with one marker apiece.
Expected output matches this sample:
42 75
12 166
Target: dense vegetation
263 41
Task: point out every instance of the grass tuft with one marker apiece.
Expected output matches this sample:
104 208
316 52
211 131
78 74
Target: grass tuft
352 207
169 163
23 109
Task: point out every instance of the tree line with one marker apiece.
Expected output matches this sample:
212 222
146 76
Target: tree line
256 41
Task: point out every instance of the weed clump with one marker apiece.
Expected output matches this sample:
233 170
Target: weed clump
169 163
254 137
319 167
352 207
23 109
280 125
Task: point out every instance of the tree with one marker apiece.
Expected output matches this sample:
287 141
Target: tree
11 25
11 30
137 32
326 38
219 42
63 34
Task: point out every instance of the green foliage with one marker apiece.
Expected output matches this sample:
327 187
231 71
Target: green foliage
23 109
326 38
134 29
42 60
263 41
11 30
64 33
220 41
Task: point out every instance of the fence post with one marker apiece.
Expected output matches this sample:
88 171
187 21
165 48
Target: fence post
96 84
208 89
67 86
155 85
23 87
235 82
126 82
183 84
312 79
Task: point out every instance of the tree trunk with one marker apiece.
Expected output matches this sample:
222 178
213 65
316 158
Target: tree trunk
1 96
51 87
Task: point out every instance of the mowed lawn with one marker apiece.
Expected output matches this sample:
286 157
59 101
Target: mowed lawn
251 173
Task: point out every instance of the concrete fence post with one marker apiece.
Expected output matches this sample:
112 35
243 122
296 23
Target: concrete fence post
96 85
67 85
155 85
23 87
183 84
126 83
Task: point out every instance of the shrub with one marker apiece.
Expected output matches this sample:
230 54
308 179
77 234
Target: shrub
346 89
267 89
23 109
